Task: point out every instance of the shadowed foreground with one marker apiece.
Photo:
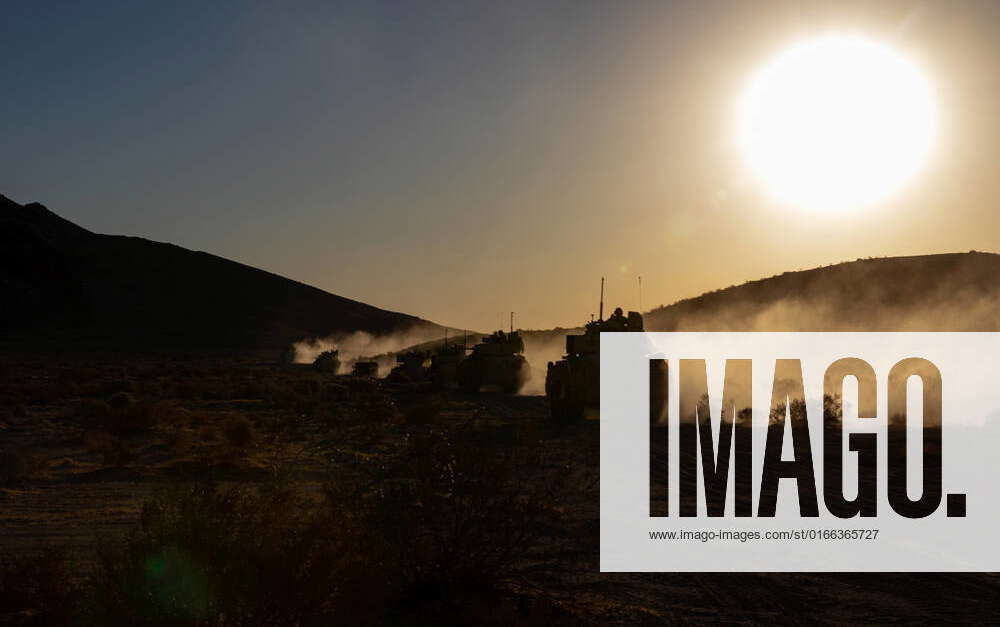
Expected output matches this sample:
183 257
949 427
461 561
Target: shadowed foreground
214 493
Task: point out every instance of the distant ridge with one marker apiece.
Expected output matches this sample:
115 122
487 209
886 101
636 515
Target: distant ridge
945 292
63 285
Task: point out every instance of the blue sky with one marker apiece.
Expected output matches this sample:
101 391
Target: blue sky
457 160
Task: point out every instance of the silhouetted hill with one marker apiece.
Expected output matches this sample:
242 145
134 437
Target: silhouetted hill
64 285
948 292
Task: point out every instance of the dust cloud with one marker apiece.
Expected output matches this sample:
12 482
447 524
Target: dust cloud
360 344
541 347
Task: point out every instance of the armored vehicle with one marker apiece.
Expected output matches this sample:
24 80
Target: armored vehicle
409 368
365 367
327 361
496 361
443 372
572 384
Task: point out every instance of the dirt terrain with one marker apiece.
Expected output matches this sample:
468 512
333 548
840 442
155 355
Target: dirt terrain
86 443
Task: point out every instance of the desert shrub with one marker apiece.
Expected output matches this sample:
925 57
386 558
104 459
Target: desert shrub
112 388
122 415
186 390
207 555
17 465
135 418
11 405
312 397
208 433
250 388
38 589
335 392
361 386
460 517
46 391
425 411
178 438
379 409
240 433
431 538
91 413
309 387
120 401
114 450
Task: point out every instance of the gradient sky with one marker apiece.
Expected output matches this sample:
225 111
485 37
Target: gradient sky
459 160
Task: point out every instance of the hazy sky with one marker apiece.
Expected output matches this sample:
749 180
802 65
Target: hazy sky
459 160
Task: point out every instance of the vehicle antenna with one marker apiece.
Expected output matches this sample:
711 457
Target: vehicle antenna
600 315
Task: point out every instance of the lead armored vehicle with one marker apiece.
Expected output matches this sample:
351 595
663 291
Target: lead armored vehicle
572 384
497 361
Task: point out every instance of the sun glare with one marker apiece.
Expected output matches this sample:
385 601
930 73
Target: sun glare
836 123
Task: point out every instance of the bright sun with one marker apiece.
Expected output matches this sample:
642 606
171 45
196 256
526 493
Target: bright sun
836 122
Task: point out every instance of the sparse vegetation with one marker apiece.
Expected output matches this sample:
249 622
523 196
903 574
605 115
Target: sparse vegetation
433 540
122 415
17 465
240 433
335 499
39 590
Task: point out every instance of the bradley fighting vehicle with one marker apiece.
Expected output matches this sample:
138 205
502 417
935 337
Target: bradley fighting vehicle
327 361
443 371
365 367
496 361
572 384
409 367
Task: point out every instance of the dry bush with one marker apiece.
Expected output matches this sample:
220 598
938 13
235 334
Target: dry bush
425 411
432 539
11 406
250 389
240 433
229 556
39 590
16 465
460 515
186 390
46 391
114 451
333 392
311 397
110 388
208 433
122 415
178 438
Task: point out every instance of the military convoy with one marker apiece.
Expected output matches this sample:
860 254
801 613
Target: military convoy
572 384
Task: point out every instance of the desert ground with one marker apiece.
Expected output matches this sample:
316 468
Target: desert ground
123 479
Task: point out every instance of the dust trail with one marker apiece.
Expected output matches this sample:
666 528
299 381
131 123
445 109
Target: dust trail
951 292
360 344
541 347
